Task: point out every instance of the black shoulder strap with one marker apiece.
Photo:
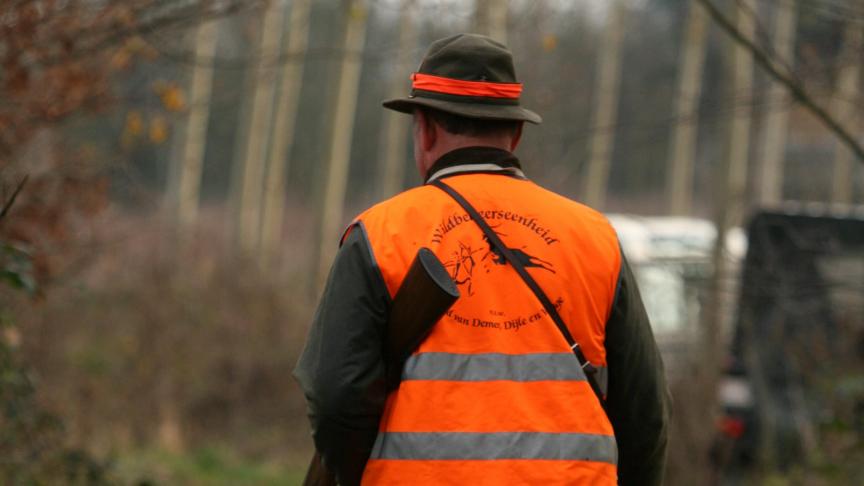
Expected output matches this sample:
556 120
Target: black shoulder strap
495 240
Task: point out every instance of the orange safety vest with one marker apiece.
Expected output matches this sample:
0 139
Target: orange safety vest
494 395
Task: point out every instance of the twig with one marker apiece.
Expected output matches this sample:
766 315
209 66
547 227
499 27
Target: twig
8 205
797 91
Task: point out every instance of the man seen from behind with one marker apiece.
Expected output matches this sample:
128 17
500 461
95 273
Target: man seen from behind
495 394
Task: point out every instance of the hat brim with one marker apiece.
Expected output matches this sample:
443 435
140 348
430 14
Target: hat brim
469 110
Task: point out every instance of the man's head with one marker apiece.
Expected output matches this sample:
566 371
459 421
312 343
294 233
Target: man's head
464 93
437 133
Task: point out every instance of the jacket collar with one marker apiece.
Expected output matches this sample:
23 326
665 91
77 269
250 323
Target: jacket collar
472 160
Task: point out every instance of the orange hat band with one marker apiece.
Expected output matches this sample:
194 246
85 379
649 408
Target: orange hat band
438 84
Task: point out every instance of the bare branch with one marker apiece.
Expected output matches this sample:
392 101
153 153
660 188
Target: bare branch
11 201
795 88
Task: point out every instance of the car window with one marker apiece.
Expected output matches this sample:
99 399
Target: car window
663 293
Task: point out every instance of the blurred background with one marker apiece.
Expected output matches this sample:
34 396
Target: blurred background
175 174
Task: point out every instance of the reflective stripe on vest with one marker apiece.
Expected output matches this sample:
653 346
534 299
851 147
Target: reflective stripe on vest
496 445
493 366
497 366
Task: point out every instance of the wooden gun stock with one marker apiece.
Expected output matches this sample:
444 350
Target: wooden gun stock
426 293
424 296
317 474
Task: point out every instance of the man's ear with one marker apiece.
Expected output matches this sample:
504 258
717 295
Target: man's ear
428 130
517 137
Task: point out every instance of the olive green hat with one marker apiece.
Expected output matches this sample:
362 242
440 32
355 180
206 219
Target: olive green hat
468 75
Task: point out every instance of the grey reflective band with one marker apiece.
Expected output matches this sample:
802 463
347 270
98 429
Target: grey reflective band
493 366
433 446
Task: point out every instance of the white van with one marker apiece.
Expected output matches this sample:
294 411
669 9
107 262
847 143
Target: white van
671 258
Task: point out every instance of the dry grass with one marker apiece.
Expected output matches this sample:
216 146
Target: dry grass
179 347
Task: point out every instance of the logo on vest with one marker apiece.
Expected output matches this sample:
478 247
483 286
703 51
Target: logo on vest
521 257
464 261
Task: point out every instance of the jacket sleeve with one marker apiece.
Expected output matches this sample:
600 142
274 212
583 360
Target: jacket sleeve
341 368
638 401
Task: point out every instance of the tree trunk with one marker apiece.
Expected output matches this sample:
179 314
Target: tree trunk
191 160
846 99
295 44
490 18
739 140
731 179
336 175
253 147
395 140
605 109
732 175
773 143
682 153
168 430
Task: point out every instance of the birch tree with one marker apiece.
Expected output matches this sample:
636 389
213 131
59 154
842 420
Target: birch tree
183 195
395 138
605 108
336 173
490 18
255 138
846 108
738 152
773 141
682 152
294 47
191 159
731 180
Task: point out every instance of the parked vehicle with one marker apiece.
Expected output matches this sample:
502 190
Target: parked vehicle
795 374
671 258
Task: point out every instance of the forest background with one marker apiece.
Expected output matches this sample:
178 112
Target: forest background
174 176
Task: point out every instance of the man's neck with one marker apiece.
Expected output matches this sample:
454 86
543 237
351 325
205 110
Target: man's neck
457 142
475 159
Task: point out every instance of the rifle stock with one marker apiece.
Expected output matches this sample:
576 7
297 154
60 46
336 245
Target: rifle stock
317 474
424 296
426 293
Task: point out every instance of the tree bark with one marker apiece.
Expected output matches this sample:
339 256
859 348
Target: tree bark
336 175
395 140
773 143
253 148
191 159
846 109
295 44
738 152
490 18
605 109
682 153
731 182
